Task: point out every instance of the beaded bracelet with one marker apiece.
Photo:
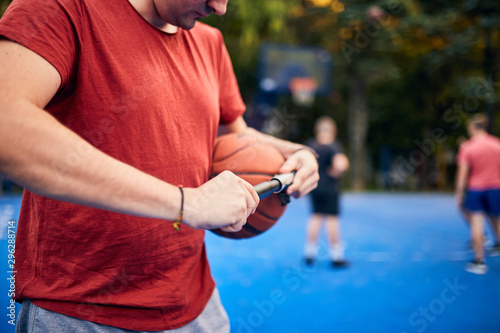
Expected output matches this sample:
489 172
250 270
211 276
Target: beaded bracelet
177 223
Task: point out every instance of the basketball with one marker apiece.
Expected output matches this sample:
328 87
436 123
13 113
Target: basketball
256 162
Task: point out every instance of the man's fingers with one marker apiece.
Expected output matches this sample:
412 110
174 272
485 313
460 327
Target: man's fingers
302 183
251 203
251 196
290 165
306 177
234 227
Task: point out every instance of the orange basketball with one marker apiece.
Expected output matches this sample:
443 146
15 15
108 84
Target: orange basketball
256 162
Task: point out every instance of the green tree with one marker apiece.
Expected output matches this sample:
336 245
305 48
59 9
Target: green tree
3 5
402 68
401 65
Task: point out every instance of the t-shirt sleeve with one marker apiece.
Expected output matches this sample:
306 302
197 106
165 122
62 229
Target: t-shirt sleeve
231 103
45 27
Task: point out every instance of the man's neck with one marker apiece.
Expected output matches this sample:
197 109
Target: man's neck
148 11
479 134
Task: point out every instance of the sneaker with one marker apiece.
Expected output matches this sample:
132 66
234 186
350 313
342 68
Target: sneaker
340 263
309 261
476 267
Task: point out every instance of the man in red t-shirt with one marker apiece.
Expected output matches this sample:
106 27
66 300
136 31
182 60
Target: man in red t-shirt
108 115
479 174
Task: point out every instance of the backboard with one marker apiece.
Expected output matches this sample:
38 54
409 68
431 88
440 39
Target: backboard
279 64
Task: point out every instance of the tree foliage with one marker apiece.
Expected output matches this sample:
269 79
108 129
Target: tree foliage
3 5
426 66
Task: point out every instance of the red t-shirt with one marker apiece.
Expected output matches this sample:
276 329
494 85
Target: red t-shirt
151 100
482 154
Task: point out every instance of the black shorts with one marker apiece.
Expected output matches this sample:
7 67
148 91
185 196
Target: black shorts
325 202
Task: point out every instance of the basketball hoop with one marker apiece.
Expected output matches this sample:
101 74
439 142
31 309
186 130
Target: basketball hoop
303 90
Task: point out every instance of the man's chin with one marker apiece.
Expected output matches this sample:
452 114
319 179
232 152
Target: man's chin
187 22
189 25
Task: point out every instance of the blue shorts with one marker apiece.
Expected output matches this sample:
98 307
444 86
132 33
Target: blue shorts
487 201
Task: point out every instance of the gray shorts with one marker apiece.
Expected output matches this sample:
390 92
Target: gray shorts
33 319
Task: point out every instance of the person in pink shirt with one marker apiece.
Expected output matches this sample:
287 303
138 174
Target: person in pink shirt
478 186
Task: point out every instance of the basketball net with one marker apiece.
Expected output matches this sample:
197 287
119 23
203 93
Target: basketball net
303 90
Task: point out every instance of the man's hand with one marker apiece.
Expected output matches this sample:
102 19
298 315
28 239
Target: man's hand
306 178
224 202
298 158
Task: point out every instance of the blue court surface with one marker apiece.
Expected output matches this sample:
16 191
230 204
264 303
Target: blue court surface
408 253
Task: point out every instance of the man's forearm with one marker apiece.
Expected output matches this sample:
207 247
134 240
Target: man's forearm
38 152
287 148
